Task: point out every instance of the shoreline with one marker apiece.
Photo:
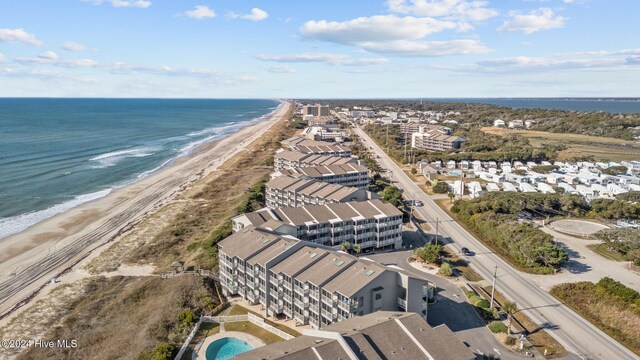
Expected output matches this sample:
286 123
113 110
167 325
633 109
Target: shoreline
32 258
16 224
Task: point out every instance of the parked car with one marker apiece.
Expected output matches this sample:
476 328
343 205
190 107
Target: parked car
465 251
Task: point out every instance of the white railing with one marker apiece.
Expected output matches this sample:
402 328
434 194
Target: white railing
186 343
260 322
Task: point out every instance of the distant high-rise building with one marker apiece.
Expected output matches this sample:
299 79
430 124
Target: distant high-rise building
316 110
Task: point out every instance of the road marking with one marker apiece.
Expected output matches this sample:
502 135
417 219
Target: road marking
497 352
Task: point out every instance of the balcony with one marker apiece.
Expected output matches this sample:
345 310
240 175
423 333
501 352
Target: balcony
402 303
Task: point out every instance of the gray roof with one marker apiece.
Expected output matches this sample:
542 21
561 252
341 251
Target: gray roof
355 277
247 242
354 210
380 335
299 260
277 247
326 268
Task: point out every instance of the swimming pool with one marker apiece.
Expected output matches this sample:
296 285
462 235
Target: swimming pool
226 348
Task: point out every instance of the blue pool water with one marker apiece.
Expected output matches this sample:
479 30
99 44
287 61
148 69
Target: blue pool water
226 348
455 173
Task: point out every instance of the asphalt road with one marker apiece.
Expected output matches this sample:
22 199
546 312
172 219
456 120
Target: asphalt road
576 334
452 309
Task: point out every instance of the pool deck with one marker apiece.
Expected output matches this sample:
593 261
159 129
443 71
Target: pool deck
202 346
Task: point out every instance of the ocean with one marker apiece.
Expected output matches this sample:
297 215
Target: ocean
611 105
56 154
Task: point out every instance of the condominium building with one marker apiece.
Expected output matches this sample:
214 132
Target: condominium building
299 191
408 128
375 336
310 283
435 138
324 121
324 134
368 224
304 145
316 110
352 175
295 159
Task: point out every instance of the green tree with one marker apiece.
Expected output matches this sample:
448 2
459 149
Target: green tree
429 253
344 246
392 195
451 196
446 269
441 187
414 171
510 308
357 249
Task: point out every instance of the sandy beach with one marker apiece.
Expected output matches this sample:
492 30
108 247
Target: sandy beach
30 259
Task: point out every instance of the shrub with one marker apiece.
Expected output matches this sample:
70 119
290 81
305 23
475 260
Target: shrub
498 327
510 341
441 188
484 304
469 294
474 299
445 269
428 253
162 351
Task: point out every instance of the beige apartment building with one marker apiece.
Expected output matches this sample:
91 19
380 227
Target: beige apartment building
288 159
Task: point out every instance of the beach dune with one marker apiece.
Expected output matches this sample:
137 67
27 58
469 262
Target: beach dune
30 259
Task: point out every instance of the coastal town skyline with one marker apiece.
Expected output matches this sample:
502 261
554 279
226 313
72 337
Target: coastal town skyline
445 48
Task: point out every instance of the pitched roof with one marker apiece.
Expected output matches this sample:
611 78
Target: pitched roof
299 260
379 335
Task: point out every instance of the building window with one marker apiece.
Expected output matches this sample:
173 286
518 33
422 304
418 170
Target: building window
378 296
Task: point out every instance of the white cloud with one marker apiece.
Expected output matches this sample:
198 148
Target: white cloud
428 48
51 58
50 55
377 28
74 46
18 36
256 14
281 69
200 12
393 35
454 9
327 58
550 64
2 58
533 21
606 52
123 3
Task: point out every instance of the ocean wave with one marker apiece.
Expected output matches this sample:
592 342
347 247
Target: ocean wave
112 158
15 224
149 172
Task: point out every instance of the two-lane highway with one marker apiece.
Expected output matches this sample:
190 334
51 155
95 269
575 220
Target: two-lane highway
576 334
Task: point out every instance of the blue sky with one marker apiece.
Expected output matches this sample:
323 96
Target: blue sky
329 48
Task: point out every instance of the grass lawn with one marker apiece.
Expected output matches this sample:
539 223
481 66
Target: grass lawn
250 328
601 148
602 250
206 329
539 338
241 310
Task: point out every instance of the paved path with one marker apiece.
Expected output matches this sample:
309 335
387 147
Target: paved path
585 265
576 334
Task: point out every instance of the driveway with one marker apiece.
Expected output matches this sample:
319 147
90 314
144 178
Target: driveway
452 309
585 265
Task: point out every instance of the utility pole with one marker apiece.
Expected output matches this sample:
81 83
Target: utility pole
387 141
493 287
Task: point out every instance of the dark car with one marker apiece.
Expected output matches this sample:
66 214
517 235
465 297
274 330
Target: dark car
466 251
